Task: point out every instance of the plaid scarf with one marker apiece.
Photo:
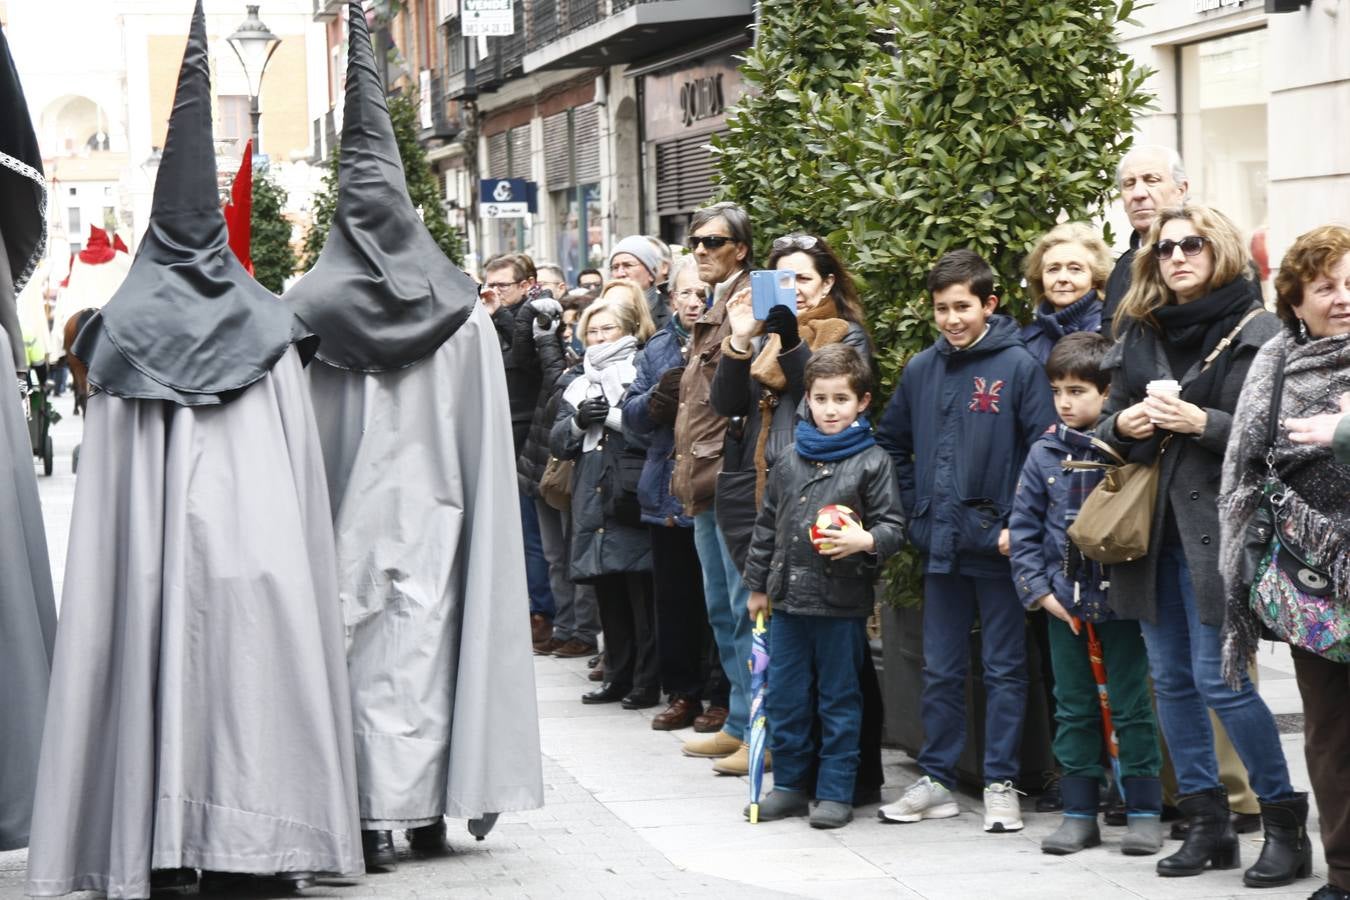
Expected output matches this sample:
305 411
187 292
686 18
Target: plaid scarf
1089 577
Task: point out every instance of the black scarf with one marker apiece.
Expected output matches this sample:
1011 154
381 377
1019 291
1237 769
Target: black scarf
1190 331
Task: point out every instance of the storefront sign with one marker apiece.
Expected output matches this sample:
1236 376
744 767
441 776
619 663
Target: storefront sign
690 100
506 198
701 98
486 18
1208 6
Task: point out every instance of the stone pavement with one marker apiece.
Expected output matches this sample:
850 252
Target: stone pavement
627 816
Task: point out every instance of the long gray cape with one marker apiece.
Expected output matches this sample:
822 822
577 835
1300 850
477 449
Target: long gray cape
27 618
422 480
199 712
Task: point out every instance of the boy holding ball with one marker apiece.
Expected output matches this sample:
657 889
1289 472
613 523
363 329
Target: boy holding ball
821 586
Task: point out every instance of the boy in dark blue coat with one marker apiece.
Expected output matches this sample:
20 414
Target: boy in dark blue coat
958 428
1051 574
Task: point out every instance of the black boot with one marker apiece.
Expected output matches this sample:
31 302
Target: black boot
378 848
1287 853
1210 841
429 840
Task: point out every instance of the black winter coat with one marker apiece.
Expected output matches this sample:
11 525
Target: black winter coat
1188 484
523 374
783 562
533 458
601 545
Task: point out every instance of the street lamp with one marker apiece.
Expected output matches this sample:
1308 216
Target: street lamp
254 44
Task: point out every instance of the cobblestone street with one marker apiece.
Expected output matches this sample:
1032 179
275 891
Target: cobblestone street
627 816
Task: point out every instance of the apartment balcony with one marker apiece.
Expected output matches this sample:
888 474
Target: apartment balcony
567 34
327 10
439 120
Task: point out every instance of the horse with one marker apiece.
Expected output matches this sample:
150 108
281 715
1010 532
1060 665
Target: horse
79 372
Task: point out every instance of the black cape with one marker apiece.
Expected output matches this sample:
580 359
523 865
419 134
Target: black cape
382 295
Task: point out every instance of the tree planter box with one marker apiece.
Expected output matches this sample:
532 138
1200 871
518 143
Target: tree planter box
902 687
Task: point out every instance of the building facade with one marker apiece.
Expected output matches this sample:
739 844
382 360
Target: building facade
1258 103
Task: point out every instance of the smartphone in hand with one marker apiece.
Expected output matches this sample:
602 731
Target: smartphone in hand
770 288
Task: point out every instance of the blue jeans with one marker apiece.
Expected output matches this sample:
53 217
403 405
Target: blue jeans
726 597
1184 656
813 672
536 564
950 605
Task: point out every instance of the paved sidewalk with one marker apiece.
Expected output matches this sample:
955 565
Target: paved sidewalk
627 816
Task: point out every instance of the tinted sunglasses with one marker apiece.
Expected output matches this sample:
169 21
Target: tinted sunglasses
711 241
794 242
1190 245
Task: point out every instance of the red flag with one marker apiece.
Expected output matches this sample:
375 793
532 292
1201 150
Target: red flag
239 211
119 245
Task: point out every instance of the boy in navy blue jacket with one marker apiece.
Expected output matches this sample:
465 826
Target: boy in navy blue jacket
958 428
1051 574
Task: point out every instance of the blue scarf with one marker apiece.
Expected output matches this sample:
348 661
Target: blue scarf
1083 314
817 447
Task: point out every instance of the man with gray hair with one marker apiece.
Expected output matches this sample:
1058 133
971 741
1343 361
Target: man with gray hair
1151 178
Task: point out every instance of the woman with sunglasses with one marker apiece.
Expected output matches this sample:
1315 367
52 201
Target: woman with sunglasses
1188 330
611 550
759 386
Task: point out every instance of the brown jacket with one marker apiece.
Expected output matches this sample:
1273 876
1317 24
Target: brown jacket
699 430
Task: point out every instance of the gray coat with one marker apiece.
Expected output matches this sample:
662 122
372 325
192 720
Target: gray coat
1189 480
601 545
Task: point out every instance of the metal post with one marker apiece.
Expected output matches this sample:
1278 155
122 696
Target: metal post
255 113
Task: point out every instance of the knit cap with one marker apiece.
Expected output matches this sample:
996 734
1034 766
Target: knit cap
641 249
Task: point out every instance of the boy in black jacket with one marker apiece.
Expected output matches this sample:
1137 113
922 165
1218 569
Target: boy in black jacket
959 426
822 586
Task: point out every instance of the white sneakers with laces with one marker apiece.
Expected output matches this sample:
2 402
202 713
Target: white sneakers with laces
1002 811
925 799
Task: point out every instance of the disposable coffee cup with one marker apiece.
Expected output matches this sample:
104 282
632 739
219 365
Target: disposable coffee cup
1164 387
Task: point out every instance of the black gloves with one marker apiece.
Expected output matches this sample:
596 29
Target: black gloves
592 411
782 321
664 402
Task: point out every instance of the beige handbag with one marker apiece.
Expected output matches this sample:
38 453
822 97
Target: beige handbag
1116 519
555 485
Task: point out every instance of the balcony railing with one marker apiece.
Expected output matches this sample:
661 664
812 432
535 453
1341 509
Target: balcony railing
443 124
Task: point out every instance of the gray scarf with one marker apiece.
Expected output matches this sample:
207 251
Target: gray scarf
1318 488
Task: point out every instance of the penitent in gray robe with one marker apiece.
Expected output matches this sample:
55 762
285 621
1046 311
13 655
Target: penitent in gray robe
422 480
199 712
27 616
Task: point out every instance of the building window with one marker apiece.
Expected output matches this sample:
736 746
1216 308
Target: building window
234 119
73 220
1223 124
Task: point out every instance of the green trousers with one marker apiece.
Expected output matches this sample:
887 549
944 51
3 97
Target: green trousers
1079 739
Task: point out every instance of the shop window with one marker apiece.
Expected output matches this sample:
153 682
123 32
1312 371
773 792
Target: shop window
1223 124
580 235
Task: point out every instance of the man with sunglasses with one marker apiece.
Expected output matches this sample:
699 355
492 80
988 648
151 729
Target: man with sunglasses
1151 178
720 240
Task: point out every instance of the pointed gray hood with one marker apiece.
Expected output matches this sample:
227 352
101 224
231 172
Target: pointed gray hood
188 324
382 294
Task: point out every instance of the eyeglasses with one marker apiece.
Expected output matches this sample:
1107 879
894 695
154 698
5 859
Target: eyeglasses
1191 245
501 285
601 330
691 293
795 242
625 266
710 241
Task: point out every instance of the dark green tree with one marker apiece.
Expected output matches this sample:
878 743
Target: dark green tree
423 188
270 233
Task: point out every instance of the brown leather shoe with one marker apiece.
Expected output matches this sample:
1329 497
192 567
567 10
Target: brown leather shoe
541 628
597 674
711 721
575 648
679 714
548 646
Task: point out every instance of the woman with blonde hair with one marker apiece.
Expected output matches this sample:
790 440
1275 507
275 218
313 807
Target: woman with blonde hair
611 549
1066 273
627 292
1188 330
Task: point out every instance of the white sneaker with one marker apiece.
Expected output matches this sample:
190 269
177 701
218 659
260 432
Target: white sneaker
1002 811
925 799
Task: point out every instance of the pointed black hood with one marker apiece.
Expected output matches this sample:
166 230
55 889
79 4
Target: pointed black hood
188 324
382 295
23 190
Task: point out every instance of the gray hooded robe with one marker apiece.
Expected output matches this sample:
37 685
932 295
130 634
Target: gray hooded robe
199 710
413 413
27 606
